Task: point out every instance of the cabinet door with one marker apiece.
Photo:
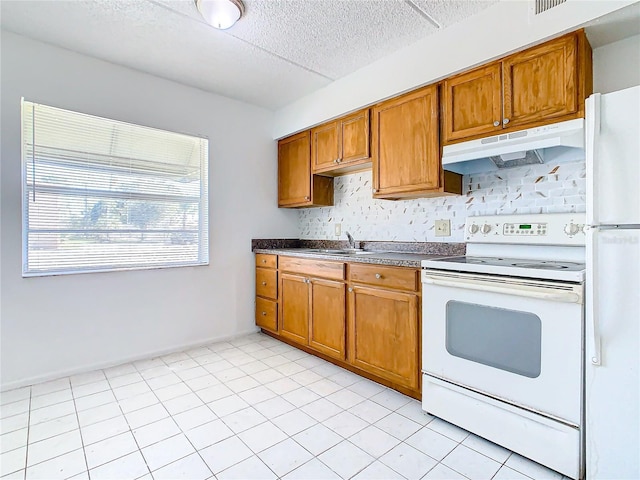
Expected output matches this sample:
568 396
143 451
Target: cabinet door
294 308
383 334
354 134
325 147
406 152
541 83
472 103
294 170
327 321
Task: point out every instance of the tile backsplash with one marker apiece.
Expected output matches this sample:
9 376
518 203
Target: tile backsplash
545 188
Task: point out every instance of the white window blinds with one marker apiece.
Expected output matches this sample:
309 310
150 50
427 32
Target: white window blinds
99 194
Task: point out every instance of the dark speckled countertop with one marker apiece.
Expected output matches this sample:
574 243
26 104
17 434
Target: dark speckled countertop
399 254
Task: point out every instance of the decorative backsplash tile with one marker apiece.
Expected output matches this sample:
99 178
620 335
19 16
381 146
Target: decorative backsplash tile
545 188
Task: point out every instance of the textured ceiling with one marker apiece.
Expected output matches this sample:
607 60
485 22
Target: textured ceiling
278 52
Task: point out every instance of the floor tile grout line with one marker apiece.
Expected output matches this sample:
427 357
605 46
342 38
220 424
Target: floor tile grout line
185 435
112 436
237 435
131 430
26 453
313 456
75 409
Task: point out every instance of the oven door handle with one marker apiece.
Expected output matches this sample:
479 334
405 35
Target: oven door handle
520 290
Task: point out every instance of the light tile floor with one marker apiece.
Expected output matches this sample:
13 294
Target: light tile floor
251 408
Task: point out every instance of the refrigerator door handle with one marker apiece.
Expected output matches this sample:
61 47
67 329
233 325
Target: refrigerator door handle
592 132
591 299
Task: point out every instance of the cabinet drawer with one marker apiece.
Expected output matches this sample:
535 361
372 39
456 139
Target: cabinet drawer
267 314
313 268
266 261
266 283
390 277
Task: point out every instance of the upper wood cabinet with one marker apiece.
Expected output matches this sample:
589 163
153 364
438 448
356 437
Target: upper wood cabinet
406 148
340 146
297 187
472 103
543 84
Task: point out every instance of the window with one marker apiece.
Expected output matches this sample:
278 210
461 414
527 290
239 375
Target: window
101 195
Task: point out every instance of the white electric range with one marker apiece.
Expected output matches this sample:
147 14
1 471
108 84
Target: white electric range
503 336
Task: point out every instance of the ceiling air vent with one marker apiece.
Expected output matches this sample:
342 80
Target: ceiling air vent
544 5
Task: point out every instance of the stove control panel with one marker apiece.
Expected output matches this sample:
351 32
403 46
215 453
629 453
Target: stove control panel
524 229
533 229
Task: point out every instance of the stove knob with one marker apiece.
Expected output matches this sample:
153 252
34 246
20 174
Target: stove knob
473 228
571 228
486 228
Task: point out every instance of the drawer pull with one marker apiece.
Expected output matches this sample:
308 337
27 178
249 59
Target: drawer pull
264 260
264 314
264 283
378 276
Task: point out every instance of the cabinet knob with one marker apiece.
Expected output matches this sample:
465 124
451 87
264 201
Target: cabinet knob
350 289
264 261
306 198
378 276
374 190
337 160
496 123
264 314
505 121
264 283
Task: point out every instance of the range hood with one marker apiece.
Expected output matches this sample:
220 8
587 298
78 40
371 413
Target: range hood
557 142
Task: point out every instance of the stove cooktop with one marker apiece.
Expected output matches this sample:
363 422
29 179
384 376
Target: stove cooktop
541 269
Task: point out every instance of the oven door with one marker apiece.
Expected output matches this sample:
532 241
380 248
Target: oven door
516 340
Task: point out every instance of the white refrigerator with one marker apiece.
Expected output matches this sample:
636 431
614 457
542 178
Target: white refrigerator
612 342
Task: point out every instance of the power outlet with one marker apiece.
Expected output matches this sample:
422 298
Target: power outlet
443 228
338 229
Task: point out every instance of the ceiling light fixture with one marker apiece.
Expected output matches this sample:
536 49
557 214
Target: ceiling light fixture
220 14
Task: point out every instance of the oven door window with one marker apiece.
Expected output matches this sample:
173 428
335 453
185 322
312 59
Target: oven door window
506 339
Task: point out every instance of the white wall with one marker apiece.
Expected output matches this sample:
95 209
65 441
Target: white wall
57 325
617 65
494 32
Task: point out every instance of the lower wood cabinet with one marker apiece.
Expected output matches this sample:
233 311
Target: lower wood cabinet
267 292
312 313
384 334
267 314
294 308
363 317
327 318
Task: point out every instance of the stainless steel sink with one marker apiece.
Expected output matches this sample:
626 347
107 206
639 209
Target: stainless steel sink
342 251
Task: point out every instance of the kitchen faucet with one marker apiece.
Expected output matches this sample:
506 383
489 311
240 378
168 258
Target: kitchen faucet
352 242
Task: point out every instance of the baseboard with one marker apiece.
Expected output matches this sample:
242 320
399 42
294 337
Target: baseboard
100 365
